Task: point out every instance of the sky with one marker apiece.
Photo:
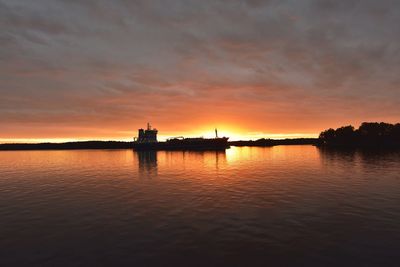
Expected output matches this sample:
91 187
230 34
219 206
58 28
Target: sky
79 70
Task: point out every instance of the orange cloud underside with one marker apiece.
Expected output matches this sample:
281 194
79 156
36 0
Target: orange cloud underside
126 132
270 69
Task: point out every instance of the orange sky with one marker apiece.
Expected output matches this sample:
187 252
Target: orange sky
73 70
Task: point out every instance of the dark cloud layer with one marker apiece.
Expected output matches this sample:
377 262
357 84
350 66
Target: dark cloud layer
102 68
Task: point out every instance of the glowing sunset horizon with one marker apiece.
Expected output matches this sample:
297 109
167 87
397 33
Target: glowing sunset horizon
233 136
75 71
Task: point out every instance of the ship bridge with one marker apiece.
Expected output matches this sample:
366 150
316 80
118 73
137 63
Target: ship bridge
148 135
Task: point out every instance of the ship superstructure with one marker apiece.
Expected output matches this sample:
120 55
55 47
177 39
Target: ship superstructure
147 136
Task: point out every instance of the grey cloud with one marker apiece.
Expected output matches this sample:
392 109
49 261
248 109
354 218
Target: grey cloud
279 56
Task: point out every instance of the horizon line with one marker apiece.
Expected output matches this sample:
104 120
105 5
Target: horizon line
161 138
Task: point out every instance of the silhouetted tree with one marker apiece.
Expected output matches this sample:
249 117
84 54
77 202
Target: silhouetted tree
327 136
368 134
345 134
396 131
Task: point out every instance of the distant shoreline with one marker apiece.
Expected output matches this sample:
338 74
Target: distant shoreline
129 145
276 142
68 145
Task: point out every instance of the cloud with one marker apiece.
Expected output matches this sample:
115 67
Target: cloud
277 66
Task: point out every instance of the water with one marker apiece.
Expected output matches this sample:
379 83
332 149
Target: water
285 205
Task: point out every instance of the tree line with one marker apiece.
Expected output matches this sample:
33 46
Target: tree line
368 134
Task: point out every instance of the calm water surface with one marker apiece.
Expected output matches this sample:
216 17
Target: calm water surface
285 205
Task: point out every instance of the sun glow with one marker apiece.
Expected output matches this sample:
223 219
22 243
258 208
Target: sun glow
36 140
234 132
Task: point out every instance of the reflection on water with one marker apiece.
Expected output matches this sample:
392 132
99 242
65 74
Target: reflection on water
147 162
284 205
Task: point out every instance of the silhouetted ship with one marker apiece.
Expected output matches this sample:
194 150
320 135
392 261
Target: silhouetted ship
147 140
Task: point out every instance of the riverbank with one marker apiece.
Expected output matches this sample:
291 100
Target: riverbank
276 142
129 145
69 145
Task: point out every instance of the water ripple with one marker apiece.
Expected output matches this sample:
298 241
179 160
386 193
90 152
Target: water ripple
286 205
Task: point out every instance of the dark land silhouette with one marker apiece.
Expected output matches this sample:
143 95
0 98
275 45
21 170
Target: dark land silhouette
130 145
276 142
69 145
369 134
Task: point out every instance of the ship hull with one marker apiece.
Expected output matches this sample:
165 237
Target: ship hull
185 144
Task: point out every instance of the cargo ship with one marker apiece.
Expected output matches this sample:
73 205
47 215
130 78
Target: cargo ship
147 140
